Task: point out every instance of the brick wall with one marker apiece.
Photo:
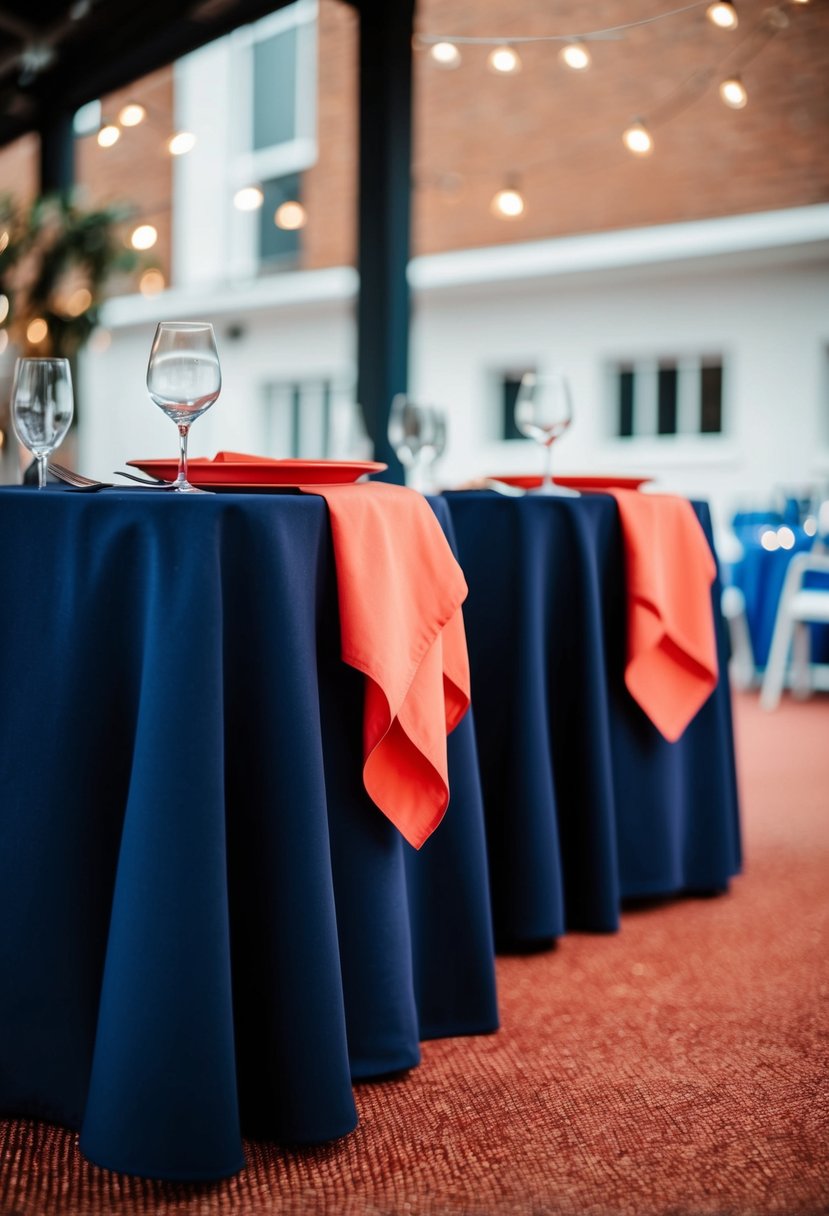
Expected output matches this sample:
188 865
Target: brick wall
560 130
557 131
138 169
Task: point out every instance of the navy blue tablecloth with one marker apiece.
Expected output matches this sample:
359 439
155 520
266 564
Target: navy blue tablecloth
586 803
205 925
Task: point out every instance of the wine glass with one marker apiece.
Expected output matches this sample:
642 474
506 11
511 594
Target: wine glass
184 379
414 433
543 412
42 407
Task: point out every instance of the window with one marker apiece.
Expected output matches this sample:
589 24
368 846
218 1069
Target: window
667 397
275 130
278 245
510 382
298 418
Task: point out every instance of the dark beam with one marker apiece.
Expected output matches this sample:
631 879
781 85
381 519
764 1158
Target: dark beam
384 214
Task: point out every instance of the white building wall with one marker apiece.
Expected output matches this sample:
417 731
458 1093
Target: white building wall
766 312
771 324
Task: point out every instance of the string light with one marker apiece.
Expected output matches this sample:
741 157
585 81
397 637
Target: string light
151 282
637 139
132 114
508 204
36 331
290 215
144 237
733 92
446 55
78 302
249 198
575 55
504 60
108 135
4 240
181 143
4 307
723 14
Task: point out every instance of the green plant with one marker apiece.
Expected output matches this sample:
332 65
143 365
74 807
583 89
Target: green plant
55 259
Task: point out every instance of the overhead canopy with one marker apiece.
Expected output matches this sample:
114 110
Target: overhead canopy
56 55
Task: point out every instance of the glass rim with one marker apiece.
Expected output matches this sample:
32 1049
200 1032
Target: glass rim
184 325
41 359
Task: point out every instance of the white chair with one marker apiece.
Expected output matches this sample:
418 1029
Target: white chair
798 608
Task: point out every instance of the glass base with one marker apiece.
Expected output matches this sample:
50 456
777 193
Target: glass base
184 487
553 490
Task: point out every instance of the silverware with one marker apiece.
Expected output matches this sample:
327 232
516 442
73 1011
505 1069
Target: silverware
143 481
503 487
76 480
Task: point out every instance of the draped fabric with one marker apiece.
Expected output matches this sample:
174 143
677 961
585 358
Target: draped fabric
206 926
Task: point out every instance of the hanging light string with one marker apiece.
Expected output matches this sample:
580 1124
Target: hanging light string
694 86
611 31
762 33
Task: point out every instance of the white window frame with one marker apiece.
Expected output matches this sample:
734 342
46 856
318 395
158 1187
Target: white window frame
645 365
249 167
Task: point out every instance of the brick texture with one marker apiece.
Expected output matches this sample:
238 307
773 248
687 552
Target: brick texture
557 133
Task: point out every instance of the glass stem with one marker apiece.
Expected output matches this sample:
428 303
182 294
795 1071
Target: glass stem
547 481
183 431
41 472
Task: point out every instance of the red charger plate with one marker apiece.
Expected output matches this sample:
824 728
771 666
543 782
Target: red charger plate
244 474
532 481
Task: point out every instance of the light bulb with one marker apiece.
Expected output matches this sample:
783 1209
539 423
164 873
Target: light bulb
36 331
249 198
151 282
503 60
108 135
290 215
446 55
637 139
132 114
575 55
4 240
78 302
144 237
4 307
733 92
723 14
181 142
508 204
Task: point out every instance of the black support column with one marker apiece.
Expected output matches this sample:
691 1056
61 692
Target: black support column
386 30
57 153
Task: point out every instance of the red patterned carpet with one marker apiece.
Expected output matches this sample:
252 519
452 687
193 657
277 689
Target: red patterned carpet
676 1069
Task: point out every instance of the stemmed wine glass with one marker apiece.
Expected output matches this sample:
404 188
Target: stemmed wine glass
184 379
543 412
42 407
415 432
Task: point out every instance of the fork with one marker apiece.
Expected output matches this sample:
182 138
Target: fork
153 482
76 480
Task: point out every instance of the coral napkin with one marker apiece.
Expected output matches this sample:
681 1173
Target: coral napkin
400 593
671 646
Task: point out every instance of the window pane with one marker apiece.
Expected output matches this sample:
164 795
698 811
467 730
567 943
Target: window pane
666 409
274 90
278 245
626 402
510 385
710 419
